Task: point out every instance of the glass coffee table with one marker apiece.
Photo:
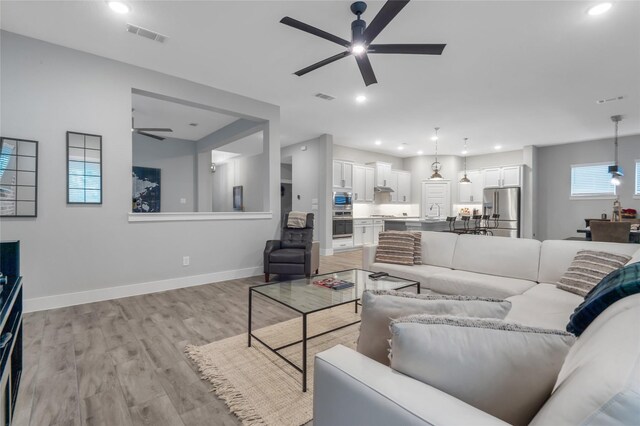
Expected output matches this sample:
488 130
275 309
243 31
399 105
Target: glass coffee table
307 298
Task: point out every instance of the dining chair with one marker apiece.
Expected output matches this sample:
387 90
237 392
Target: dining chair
611 232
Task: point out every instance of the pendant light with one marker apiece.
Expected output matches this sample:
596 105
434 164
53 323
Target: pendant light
465 180
615 170
436 166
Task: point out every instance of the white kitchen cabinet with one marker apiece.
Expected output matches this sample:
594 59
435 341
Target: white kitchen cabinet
342 174
436 199
471 192
404 187
382 173
364 231
393 184
498 177
378 227
363 183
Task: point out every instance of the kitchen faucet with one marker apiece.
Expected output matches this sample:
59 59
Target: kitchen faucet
437 205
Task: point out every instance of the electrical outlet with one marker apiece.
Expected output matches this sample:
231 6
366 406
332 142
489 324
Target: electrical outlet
185 260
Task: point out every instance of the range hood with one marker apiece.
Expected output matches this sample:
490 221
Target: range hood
382 189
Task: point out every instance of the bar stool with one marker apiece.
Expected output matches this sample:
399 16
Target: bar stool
496 222
477 224
465 225
451 220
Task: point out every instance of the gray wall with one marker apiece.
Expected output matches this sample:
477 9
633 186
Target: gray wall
557 216
176 160
495 159
247 172
48 90
359 156
311 180
420 168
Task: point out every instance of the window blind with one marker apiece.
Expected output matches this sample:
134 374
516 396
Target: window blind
591 180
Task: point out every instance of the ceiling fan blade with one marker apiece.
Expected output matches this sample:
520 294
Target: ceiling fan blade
315 31
389 11
415 49
322 63
153 129
366 70
160 138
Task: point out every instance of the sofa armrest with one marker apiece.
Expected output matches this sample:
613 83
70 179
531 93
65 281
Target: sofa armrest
368 255
352 389
270 246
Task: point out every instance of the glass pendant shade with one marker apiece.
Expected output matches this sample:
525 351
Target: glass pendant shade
436 176
465 180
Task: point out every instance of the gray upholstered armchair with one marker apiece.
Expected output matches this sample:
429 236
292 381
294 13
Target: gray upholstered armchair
294 254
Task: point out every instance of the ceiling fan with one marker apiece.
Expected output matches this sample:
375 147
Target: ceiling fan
361 38
143 130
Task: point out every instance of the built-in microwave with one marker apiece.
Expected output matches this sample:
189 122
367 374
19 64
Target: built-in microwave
342 201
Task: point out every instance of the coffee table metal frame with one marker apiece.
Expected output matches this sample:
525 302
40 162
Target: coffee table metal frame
305 337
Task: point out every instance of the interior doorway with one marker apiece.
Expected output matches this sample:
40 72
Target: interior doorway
286 187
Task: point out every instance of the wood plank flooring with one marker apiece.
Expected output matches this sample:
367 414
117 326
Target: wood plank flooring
121 362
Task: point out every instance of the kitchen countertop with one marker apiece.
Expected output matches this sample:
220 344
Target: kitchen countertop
387 218
414 219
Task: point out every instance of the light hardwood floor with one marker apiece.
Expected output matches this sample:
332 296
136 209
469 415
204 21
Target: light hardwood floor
121 362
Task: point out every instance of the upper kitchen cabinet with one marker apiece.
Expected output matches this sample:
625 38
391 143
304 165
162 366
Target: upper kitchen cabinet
502 176
363 183
382 173
342 174
401 185
471 192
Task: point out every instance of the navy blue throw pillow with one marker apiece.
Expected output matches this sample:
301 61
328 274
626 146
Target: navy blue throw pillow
617 285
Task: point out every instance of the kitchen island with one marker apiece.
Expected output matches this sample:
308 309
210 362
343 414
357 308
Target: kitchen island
417 224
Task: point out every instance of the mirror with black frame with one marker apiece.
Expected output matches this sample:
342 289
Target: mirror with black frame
18 177
190 159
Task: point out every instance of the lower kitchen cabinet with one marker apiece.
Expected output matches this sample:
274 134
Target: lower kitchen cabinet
366 231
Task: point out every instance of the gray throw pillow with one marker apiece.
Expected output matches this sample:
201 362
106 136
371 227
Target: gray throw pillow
588 268
505 369
380 307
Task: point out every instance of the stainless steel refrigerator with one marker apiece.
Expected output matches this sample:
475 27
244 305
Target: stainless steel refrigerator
506 203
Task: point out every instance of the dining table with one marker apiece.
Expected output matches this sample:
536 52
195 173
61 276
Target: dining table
634 234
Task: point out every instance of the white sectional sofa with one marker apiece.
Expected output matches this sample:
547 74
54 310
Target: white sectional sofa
599 382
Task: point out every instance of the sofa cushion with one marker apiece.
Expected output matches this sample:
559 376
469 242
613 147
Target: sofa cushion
379 307
599 382
505 369
418 273
635 258
438 248
588 268
395 247
474 284
557 255
543 305
287 256
505 257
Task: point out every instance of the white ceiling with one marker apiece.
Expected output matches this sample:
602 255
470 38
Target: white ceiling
245 147
152 112
513 73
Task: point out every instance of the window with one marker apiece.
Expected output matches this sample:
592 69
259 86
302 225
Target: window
637 177
84 168
591 180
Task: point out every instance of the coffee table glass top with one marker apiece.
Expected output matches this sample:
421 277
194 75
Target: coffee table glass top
305 297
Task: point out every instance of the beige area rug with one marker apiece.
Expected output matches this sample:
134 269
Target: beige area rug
258 386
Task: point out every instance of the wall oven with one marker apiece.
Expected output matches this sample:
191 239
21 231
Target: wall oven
342 201
342 224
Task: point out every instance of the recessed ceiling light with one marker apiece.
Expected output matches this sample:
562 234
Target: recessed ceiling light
400 148
497 147
361 98
378 142
599 9
119 7
434 138
465 152
420 152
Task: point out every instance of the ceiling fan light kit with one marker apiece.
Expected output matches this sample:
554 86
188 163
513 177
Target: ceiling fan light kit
362 37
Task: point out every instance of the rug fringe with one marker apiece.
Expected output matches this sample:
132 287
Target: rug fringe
236 402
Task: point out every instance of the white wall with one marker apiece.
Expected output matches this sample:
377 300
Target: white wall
176 160
362 157
496 159
48 90
247 172
420 168
557 216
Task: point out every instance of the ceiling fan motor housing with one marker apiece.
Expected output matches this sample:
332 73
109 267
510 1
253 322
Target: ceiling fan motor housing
357 31
358 7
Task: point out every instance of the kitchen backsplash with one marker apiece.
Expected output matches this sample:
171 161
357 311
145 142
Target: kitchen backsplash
366 210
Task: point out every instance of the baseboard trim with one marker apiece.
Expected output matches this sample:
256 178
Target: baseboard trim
101 294
326 252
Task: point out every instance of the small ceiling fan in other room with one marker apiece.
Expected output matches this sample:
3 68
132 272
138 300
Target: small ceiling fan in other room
362 37
143 130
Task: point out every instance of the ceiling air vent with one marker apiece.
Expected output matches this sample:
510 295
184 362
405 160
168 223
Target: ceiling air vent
143 32
324 96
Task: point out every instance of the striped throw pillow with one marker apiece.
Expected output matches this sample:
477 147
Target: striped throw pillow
588 268
395 247
417 248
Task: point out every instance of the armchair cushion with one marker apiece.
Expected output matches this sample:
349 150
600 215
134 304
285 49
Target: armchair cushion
287 256
296 238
